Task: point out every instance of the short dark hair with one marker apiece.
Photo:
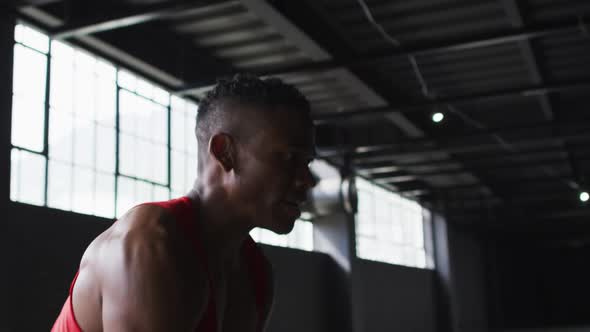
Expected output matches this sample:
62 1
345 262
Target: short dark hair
268 94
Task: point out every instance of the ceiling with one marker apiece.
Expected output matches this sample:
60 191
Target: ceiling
510 76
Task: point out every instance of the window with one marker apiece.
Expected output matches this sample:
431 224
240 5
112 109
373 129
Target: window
82 132
184 147
389 228
77 145
301 237
143 142
29 95
92 138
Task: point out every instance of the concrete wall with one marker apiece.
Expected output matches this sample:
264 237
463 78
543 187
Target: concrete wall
44 246
468 283
461 293
306 298
393 298
41 249
541 284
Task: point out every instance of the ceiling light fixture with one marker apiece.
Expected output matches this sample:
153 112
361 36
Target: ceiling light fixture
437 117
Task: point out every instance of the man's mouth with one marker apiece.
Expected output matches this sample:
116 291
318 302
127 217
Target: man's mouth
293 208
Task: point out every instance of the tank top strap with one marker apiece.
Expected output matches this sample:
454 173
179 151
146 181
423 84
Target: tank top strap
258 267
184 214
180 207
73 283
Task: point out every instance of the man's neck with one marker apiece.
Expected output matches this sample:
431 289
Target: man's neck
222 233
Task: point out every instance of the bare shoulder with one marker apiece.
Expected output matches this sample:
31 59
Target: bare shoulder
145 232
145 229
146 219
147 278
142 224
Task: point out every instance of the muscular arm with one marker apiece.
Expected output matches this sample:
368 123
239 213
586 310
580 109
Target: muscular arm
144 283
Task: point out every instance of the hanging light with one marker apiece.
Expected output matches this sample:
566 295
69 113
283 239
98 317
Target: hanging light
437 117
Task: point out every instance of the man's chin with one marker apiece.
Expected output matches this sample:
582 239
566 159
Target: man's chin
283 231
282 227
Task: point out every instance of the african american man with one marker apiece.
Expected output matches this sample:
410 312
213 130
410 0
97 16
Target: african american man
189 264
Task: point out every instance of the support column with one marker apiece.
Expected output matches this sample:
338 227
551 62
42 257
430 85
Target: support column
444 299
334 236
7 241
459 267
7 22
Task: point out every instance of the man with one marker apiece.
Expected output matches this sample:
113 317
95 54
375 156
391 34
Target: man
189 264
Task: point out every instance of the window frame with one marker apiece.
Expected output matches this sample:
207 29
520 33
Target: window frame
116 173
118 88
400 205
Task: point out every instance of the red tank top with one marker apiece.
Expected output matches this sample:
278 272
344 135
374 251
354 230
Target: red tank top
183 211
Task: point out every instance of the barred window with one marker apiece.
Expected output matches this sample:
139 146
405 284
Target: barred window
389 228
301 237
93 138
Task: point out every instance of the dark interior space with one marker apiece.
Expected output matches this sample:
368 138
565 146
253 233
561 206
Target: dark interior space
475 111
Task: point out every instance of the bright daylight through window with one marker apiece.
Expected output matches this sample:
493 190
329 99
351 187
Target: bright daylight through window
92 138
301 237
389 228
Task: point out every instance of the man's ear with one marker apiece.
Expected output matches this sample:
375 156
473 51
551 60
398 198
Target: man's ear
222 149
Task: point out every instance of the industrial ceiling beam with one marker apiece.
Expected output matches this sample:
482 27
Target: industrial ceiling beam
398 119
173 55
495 184
517 20
43 21
117 20
390 163
530 91
463 144
508 166
465 148
537 196
360 61
131 49
386 163
24 3
579 177
395 179
568 213
512 183
493 157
